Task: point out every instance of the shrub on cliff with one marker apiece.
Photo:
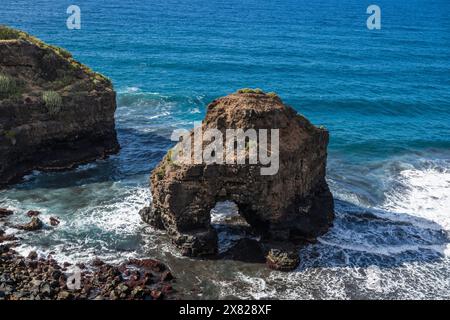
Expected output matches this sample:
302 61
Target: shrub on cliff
248 90
8 33
8 86
52 100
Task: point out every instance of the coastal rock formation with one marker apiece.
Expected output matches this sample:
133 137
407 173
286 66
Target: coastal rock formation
33 225
295 204
55 113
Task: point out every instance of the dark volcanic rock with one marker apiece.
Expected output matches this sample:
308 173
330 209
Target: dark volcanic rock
32 255
4 237
41 279
294 204
282 260
246 250
33 213
55 113
5 212
54 222
33 225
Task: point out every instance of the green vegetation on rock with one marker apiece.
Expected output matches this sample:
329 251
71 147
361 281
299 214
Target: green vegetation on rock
9 34
248 90
11 136
257 91
7 85
53 101
9 88
160 173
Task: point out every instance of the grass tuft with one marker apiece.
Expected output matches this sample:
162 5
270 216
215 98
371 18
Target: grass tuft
249 90
9 87
53 101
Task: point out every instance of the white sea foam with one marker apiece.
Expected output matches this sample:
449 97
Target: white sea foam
224 210
130 90
425 193
89 231
121 215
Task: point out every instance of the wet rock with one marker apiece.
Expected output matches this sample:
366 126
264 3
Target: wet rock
65 295
97 262
56 274
122 288
33 225
156 294
3 249
32 255
113 296
81 265
282 260
5 212
137 292
32 213
246 250
54 222
45 289
4 237
166 276
149 264
167 288
292 204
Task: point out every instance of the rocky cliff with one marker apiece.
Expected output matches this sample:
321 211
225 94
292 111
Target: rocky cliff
55 113
293 204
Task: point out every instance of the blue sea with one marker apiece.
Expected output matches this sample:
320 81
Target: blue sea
383 94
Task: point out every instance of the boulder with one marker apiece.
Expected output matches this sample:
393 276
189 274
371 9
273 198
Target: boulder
33 225
54 222
32 255
55 113
5 212
282 260
33 213
292 204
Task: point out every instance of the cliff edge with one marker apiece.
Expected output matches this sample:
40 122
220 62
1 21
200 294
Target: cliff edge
55 113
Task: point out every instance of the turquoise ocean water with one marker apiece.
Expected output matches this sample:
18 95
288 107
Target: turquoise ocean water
383 94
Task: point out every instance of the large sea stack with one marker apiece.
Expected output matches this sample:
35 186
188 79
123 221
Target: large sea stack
55 113
292 205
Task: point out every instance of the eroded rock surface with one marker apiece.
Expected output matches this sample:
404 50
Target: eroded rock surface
293 204
55 113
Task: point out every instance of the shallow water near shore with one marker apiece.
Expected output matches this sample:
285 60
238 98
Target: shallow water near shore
384 96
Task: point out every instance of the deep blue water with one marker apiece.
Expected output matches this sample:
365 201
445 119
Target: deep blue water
383 94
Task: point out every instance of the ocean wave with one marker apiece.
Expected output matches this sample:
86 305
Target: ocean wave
423 192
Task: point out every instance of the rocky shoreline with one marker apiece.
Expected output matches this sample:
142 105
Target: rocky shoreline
42 278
